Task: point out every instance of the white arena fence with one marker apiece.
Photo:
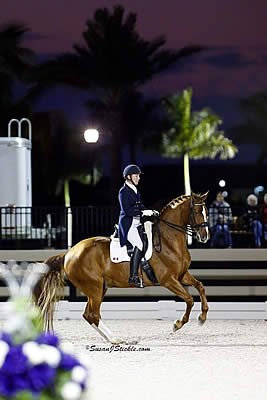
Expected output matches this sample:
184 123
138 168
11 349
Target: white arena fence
160 310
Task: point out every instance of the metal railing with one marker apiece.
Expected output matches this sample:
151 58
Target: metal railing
49 227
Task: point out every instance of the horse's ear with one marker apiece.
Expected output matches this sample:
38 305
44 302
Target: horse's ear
205 195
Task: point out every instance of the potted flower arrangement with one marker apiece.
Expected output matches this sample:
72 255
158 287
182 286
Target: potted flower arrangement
34 365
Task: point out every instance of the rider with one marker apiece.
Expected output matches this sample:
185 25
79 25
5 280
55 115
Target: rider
130 226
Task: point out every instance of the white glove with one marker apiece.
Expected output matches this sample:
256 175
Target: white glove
156 213
147 213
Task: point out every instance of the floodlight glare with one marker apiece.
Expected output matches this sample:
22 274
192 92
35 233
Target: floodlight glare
91 135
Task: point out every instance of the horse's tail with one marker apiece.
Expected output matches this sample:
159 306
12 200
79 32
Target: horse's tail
50 289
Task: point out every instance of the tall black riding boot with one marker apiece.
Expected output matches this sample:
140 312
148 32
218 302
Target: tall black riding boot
134 266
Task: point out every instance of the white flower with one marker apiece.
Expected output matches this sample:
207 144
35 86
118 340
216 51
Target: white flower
71 391
38 354
34 353
78 374
4 349
51 355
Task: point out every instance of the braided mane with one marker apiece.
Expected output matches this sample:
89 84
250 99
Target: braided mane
178 201
175 202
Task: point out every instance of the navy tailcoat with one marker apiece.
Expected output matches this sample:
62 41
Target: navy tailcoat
131 206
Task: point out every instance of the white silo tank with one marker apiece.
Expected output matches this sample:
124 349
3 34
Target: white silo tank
15 174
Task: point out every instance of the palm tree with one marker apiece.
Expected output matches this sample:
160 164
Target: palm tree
192 134
114 61
253 129
138 116
53 135
15 64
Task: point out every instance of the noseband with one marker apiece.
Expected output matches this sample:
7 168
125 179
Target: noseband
191 228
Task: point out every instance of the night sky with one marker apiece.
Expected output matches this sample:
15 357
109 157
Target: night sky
234 32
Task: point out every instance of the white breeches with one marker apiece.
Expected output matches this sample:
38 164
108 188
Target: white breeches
133 235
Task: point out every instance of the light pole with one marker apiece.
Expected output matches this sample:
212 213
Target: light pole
90 136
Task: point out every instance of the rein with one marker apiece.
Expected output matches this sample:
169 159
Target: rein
180 228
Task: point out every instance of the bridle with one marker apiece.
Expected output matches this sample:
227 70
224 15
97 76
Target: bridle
192 217
191 228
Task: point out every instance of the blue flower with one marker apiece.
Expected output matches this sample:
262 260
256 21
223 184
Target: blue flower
40 377
15 362
21 382
49 339
7 387
18 374
6 338
68 362
10 384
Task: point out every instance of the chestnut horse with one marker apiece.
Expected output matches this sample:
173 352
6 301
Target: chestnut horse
89 267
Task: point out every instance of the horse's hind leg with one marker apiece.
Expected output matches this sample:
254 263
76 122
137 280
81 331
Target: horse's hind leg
177 288
92 315
189 280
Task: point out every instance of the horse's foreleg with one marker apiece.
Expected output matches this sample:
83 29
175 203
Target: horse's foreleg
189 280
177 288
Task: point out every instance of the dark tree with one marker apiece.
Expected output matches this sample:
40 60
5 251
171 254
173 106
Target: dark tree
15 64
253 128
113 62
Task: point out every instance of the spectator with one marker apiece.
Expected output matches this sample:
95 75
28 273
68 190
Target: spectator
251 219
220 216
263 214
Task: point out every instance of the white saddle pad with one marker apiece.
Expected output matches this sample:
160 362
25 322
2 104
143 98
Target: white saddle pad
119 254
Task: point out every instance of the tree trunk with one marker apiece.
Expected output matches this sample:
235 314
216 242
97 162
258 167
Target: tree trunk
187 186
67 193
69 212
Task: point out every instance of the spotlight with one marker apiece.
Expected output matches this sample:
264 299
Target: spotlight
91 135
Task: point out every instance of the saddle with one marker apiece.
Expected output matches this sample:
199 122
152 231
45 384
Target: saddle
120 254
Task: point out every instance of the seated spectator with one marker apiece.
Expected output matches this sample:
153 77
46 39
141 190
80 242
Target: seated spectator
251 218
220 216
263 214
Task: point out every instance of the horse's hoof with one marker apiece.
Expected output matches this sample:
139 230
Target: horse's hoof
201 321
117 341
176 326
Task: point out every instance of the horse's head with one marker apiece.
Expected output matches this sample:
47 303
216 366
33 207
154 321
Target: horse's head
198 217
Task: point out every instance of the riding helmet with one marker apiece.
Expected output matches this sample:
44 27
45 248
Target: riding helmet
130 170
